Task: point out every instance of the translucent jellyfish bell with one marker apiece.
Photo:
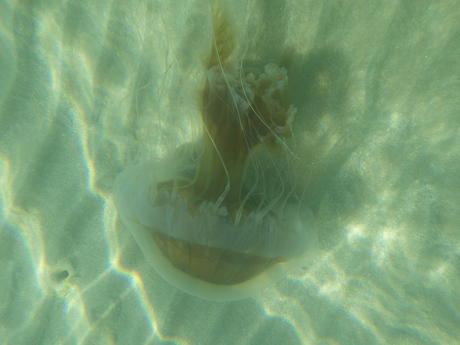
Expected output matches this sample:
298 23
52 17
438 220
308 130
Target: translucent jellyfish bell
203 252
209 218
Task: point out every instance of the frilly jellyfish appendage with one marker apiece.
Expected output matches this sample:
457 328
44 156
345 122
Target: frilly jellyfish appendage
218 229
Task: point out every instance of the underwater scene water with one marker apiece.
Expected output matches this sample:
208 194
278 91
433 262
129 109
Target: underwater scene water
240 172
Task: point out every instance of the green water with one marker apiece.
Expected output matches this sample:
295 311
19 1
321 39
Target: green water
90 87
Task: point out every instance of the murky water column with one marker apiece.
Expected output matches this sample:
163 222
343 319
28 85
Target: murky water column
88 89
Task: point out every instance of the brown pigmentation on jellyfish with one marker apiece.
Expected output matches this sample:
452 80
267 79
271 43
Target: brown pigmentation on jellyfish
219 219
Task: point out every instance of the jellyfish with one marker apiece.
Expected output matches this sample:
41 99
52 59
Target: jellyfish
219 218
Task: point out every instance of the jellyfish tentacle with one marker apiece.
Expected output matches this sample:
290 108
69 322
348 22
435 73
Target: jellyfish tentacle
229 218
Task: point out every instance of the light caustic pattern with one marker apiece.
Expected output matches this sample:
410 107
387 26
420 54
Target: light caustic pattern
89 87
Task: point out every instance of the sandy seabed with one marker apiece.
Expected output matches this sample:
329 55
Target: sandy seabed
89 87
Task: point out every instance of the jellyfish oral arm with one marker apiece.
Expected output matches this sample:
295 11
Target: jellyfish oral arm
206 229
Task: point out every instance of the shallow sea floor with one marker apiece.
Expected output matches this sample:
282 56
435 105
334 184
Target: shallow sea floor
90 87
